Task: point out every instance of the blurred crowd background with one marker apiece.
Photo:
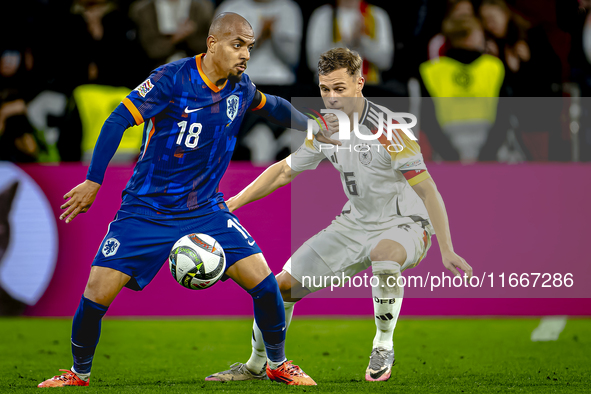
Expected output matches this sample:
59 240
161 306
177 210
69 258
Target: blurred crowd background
65 65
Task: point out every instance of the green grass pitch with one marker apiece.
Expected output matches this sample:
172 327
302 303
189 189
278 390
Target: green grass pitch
432 355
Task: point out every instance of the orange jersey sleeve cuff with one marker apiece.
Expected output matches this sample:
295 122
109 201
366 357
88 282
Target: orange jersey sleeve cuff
133 110
262 103
413 177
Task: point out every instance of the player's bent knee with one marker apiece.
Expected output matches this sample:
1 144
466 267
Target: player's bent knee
284 280
291 289
388 250
250 271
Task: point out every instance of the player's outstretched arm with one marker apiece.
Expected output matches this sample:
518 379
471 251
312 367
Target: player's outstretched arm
82 196
428 192
282 113
274 177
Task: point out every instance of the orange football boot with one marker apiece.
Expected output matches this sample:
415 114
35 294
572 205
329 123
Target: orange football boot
290 374
68 378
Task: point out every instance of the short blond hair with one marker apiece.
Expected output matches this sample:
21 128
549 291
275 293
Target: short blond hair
338 58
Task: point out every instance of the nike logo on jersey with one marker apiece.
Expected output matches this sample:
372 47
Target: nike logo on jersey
188 111
249 243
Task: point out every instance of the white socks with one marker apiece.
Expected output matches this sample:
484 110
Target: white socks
83 376
258 357
387 301
274 365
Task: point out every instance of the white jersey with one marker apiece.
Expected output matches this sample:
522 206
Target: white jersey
376 178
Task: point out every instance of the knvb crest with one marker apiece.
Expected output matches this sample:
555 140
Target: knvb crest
232 107
110 247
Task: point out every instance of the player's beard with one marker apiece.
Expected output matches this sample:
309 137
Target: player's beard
236 75
235 78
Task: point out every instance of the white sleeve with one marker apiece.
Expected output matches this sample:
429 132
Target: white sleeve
307 157
409 161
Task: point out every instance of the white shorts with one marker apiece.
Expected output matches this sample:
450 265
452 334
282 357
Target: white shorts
340 249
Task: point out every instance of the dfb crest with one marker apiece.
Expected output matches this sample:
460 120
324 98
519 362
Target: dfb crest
365 156
232 106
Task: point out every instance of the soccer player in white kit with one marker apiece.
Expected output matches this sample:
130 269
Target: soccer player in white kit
393 209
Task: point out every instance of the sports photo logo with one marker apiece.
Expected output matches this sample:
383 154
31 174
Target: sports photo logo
392 121
145 88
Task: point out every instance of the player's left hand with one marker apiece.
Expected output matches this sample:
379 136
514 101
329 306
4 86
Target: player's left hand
452 262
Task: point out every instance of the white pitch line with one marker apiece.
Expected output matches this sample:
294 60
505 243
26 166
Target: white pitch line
549 329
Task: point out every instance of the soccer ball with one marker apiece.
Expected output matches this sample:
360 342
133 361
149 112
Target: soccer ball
197 261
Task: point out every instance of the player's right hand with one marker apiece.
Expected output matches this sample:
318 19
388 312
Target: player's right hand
80 199
333 127
452 262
